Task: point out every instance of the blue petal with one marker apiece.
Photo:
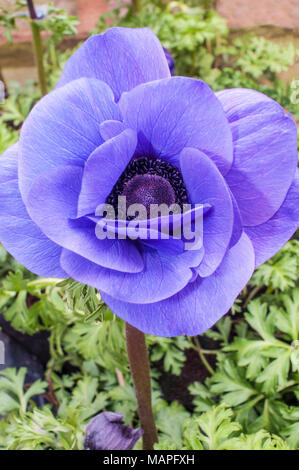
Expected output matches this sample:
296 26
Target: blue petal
179 112
205 184
162 277
121 57
238 224
52 204
269 237
197 307
18 234
156 232
102 170
63 129
265 153
111 128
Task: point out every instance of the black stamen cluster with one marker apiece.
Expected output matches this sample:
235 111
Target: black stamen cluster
150 166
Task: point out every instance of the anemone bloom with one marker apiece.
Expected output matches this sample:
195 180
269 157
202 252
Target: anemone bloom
118 123
106 431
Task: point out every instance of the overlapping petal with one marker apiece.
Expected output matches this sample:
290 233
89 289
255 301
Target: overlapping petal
121 57
18 233
171 233
269 237
52 204
102 170
111 128
175 113
161 277
206 185
197 307
63 129
265 153
238 224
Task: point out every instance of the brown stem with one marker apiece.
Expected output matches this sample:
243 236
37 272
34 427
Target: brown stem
140 369
51 396
31 10
252 294
120 377
136 6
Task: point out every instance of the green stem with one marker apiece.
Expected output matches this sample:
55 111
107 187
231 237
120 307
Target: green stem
291 383
38 52
207 6
38 48
41 283
202 356
140 369
136 6
252 294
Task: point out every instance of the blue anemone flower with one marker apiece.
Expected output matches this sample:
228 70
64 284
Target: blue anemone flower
119 124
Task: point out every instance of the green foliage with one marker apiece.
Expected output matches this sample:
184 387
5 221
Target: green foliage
12 394
55 21
281 272
257 56
8 136
171 350
217 429
222 330
19 103
40 430
8 19
171 420
270 360
58 23
257 368
102 342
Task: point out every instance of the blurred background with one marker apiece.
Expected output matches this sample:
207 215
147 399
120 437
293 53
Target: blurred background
270 19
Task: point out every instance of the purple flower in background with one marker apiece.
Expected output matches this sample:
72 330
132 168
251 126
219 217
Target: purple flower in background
106 431
170 61
118 124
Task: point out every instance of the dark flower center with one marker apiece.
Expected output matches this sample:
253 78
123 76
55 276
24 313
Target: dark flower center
149 181
148 189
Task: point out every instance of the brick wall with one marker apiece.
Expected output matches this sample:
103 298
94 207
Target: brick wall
239 13
88 12
242 13
17 62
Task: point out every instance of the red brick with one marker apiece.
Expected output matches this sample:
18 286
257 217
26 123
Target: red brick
246 13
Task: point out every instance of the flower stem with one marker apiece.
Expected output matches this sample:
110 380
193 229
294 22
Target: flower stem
140 369
209 4
38 48
136 6
202 356
31 10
